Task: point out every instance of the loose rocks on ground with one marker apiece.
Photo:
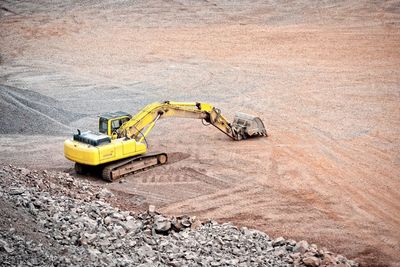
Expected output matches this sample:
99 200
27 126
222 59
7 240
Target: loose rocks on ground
74 225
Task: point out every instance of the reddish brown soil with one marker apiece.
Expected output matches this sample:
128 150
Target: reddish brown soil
323 77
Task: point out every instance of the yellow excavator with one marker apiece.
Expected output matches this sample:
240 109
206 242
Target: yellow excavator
120 146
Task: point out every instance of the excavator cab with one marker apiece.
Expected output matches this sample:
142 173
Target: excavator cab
110 122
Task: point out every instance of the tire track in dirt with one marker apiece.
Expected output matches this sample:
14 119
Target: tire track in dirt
170 183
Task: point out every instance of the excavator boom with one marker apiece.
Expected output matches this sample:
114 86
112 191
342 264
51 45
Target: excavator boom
147 117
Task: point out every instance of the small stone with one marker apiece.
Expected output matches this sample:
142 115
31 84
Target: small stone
67 260
108 220
280 241
311 261
82 241
104 193
93 252
341 258
280 252
190 255
196 224
118 216
23 171
233 262
176 224
152 208
119 230
352 263
295 255
5 246
145 251
147 231
90 237
328 259
132 225
103 244
185 221
16 191
161 224
32 209
301 247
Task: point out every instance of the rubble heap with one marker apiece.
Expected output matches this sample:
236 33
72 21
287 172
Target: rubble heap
54 219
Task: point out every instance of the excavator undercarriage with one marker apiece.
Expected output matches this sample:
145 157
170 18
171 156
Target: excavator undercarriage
120 146
113 171
118 169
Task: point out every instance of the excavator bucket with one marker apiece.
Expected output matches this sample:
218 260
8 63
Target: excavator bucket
246 125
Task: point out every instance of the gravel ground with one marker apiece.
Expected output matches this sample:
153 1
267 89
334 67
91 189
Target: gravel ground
53 219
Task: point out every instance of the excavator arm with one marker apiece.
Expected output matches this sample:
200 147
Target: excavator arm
140 125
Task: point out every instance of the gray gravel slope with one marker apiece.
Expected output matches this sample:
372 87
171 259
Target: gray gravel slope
29 112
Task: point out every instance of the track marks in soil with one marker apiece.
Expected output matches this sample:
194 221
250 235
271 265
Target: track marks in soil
170 183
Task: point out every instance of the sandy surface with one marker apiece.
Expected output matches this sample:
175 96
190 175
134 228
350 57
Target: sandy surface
325 78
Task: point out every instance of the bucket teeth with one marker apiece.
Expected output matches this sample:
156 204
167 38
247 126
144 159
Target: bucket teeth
247 125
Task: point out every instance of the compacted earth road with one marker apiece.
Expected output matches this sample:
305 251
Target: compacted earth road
323 76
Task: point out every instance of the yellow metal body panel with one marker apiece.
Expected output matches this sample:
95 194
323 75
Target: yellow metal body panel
95 155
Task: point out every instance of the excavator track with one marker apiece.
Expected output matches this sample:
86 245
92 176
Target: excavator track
116 170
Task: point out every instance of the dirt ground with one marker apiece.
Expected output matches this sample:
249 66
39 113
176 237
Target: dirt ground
323 75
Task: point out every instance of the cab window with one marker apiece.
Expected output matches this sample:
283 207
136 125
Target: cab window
103 125
115 124
124 120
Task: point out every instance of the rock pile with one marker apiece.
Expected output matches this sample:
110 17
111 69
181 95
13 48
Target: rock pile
76 226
